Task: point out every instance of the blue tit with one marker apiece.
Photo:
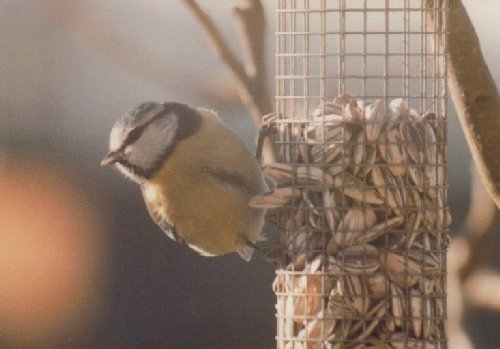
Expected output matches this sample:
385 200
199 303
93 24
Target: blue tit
195 174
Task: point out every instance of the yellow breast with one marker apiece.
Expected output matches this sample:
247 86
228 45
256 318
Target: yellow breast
208 213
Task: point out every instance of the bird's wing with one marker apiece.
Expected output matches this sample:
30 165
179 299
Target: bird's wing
237 180
165 226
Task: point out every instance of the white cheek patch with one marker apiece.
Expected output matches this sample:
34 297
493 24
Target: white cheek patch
124 125
116 138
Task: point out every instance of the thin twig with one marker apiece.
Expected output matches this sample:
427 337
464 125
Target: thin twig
217 41
251 24
250 78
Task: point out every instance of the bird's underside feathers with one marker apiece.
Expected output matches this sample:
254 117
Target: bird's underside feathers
164 225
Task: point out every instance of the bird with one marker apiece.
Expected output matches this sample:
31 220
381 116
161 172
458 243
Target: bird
195 174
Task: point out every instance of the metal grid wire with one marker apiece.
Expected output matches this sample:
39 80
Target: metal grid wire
361 105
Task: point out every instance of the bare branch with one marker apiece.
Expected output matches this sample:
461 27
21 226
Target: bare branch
474 94
252 26
251 78
250 18
217 42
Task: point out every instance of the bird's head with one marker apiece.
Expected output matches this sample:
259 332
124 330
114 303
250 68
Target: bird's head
142 139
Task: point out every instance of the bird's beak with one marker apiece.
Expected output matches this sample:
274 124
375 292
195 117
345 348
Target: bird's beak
112 157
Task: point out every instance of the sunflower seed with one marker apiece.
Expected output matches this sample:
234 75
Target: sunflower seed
416 309
393 152
361 196
375 115
278 197
351 228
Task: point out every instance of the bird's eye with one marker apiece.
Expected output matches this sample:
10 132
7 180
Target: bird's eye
134 135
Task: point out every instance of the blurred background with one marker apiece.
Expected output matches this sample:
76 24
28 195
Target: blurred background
81 263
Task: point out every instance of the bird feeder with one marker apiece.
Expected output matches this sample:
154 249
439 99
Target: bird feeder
361 173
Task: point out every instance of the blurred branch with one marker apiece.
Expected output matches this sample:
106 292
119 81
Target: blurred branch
481 290
252 28
251 24
457 256
217 41
466 285
251 78
477 102
473 92
477 225
102 36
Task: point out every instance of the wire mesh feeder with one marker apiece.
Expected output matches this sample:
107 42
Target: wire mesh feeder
361 177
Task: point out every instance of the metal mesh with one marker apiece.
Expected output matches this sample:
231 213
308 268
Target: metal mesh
361 105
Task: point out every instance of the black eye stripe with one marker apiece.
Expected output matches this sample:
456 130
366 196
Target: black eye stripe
134 134
187 122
